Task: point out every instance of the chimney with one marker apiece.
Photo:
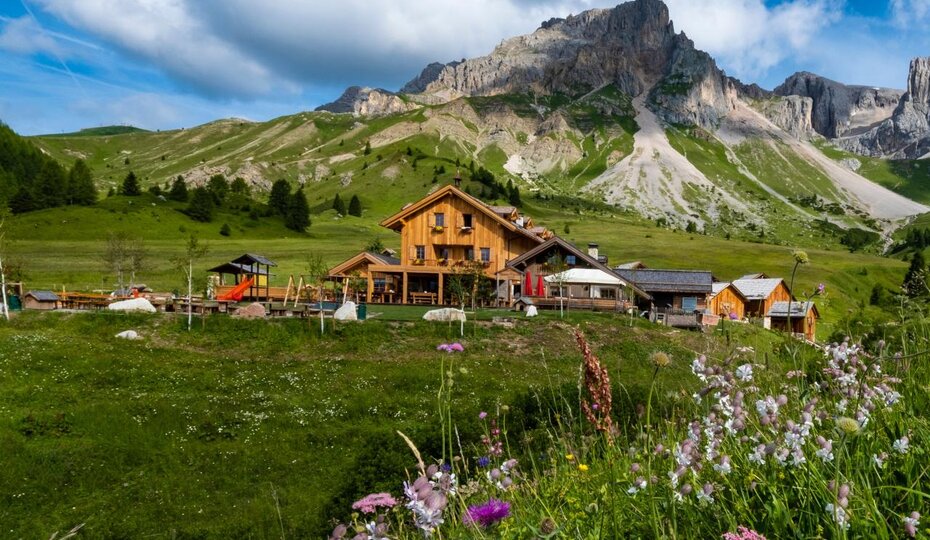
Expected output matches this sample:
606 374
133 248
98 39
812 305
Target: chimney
592 250
457 180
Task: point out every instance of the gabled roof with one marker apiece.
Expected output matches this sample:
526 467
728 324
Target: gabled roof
634 265
759 275
719 286
669 281
393 222
236 269
798 309
250 258
557 241
365 256
757 289
43 296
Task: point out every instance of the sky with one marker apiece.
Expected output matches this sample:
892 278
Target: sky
165 64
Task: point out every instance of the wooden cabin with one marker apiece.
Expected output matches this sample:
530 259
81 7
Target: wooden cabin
40 300
761 294
678 297
444 233
727 302
804 317
557 272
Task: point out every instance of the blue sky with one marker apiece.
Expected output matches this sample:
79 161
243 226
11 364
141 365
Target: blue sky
163 64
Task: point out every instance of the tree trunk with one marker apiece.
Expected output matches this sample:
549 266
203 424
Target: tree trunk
322 328
6 308
190 299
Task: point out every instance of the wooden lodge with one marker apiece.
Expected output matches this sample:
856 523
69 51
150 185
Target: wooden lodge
804 317
761 294
557 273
727 302
677 297
444 233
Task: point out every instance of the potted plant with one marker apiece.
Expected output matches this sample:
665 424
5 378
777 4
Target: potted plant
438 228
418 261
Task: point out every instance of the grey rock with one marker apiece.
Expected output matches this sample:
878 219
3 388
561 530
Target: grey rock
346 312
429 74
790 113
362 101
251 311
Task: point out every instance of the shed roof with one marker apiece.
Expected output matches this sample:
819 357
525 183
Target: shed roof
43 296
669 281
798 309
757 289
250 258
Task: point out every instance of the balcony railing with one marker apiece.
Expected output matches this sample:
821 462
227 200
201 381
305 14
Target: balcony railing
448 263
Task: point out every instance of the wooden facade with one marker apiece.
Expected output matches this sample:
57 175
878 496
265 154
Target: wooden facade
758 305
804 317
446 232
728 302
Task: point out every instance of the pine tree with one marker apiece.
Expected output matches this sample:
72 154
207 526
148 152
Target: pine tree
225 230
130 186
218 187
81 188
339 206
355 206
513 194
178 190
298 212
367 147
280 197
915 280
201 205
23 201
50 186
239 185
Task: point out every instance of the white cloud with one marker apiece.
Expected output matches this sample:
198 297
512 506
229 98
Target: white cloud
24 36
909 12
747 37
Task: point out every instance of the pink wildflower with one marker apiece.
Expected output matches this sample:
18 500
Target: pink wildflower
369 503
743 533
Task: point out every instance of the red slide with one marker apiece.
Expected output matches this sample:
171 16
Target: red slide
236 293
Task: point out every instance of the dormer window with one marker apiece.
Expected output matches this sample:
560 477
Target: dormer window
440 219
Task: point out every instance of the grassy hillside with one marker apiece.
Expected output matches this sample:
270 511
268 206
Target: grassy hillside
909 177
254 429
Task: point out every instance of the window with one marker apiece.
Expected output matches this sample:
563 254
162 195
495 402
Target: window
469 254
421 252
485 254
444 253
466 221
440 219
689 303
570 260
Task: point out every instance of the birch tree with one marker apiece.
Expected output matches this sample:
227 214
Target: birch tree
193 251
316 274
6 308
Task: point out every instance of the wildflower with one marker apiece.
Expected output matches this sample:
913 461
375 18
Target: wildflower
339 532
482 415
570 457
457 347
705 495
660 359
484 461
744 372
377 530
743 534
879 459
839 515
638 485
821 288
847 425
487 514
901 445
582 467
825 452
801 257
911 523
370 503
597 383
547 526
724 466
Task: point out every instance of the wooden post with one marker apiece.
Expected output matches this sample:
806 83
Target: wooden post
403 299
440 289
371 288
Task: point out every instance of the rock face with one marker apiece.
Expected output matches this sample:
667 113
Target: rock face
791 113
429 74
368 102
906 134
839 109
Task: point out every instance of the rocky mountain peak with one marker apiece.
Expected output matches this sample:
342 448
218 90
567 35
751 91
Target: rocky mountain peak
918 81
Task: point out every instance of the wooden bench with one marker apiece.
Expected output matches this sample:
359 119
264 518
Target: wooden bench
423 297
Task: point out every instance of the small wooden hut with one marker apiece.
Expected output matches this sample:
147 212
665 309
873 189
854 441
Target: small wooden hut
40 300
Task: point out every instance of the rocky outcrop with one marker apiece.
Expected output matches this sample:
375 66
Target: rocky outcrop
839 109
907 133
362 101
429 74
793 114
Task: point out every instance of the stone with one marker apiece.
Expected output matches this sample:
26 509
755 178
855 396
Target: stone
129 334
251 311
791 113
531 311
444 315
133 305
364 101
346 312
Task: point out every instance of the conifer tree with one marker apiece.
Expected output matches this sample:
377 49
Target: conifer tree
239 185
178 190
915 280
355 206
297 217
280 197
218 187
81 188
201 205
339 206
130 186
50 185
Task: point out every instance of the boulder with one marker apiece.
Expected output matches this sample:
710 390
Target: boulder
251 311
129 334
346 312
531 311
444 315
136 305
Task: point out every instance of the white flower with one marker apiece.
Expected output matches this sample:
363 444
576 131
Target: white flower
839 514
638 485
723 468
826 454
744 372
879 461
797 457
758 456
902 445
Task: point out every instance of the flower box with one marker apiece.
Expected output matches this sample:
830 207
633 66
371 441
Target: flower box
438 228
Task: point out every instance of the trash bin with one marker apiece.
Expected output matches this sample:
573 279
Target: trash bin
15 304
361 311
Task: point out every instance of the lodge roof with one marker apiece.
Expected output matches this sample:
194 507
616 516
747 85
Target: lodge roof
669 281
757 289
798 309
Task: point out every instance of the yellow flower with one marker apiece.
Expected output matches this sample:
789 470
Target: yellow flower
582 467
847 426
570 457
660 359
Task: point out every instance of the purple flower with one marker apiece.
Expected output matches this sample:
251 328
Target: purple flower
443 347
369 503
487 514
820 288
457 347
482 415
743 534
484 461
